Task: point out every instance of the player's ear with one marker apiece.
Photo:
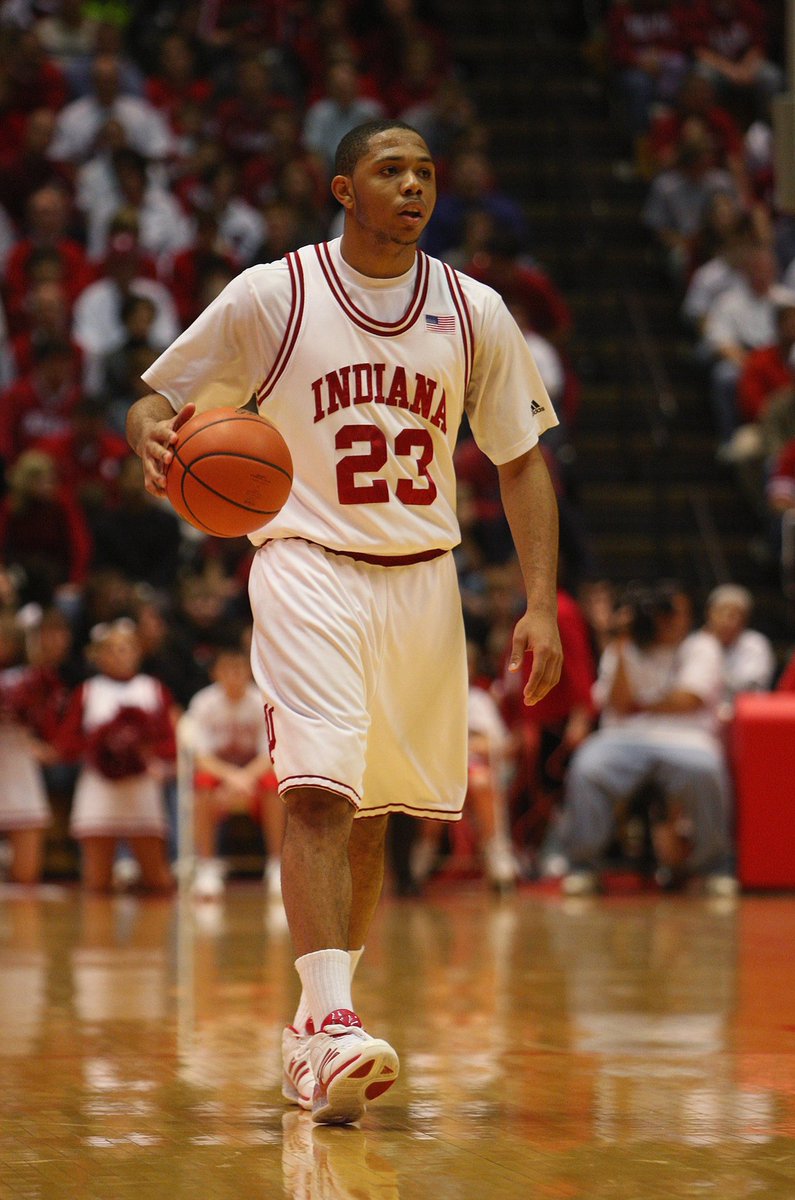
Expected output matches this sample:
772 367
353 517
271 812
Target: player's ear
341 190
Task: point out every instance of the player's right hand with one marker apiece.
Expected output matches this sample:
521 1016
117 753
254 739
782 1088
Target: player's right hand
156 449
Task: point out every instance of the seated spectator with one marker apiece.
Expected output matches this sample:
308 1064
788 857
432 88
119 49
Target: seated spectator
25 165
241 119
647 51
414 78
202 617
260 172
749 662
43 532
389 28
676 207
342 106
296 185
88 456
768 368
729 43
109 41
241 228
163 226
41 402
742 319
98 326
233 769
68 34
80 122
34 81
176 80
137 536
442 119
471 187
48 217
727 233
166 652
323 35
47 318
659 691
500 266
119 727
121 369
696 109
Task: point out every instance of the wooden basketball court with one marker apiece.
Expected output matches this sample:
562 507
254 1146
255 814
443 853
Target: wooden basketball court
638 1047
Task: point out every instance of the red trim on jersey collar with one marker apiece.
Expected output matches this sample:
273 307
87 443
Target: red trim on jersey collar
362 319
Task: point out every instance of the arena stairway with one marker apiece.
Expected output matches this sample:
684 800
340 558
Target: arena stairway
655 500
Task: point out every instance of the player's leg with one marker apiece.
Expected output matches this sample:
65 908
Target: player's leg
316 873
273 820
96 866
27 847
366 854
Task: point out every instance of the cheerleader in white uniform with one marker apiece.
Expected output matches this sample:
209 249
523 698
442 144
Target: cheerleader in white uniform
119 725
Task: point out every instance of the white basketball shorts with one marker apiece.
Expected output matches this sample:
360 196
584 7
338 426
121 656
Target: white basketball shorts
362 670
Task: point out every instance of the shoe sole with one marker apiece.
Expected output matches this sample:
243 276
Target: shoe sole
364 1079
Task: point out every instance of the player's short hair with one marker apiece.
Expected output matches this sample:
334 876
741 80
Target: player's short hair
357 140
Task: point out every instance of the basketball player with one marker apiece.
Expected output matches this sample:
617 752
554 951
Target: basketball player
366 354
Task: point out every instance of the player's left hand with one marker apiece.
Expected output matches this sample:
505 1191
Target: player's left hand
537 634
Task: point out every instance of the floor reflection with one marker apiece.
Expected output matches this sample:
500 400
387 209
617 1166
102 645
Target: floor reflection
631 1047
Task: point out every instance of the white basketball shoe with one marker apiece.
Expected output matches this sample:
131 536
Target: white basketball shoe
298 1083
350 1068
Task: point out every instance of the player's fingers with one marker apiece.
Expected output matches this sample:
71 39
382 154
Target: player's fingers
544 675
182 416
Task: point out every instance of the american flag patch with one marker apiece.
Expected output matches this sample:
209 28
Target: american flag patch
440 324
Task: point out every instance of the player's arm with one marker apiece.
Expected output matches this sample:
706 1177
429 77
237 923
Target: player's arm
152 428
532 511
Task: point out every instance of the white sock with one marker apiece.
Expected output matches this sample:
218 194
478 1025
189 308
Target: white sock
303 1012
326 979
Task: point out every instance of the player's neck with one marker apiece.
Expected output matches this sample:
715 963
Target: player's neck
377 260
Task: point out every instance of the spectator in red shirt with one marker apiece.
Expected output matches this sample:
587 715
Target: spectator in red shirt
177 80
48 318
49 212
546 734
241 119
190 266
25 165
647 48
729 43
40 403
43 531
88 457
527 287
35 81
768 369
696 103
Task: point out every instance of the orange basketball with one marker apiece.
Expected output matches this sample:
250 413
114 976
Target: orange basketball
231 472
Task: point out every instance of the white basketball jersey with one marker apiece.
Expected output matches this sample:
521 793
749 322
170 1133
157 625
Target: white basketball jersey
369 400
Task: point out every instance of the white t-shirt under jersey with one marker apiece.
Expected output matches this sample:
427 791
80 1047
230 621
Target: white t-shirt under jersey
368 381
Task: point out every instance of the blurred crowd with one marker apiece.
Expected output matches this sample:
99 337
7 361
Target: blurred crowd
699 82
150 151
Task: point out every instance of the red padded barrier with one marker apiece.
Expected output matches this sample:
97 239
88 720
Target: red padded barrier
763 753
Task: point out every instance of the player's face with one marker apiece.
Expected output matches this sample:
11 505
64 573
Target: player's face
393 188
